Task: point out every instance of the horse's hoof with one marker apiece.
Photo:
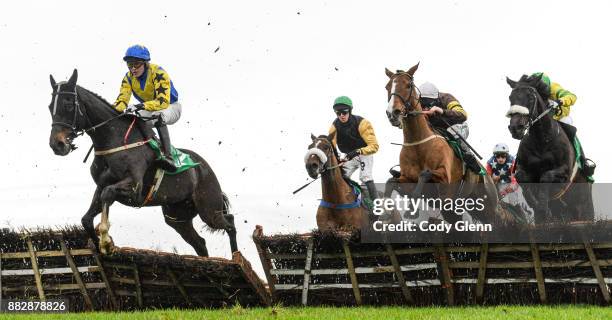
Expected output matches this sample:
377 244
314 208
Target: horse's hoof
107 247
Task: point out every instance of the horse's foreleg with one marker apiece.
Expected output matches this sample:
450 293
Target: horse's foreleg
424 177
543 195
107 197
106 243
94 209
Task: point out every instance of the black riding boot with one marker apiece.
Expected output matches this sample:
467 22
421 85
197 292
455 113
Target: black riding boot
143 126
588 166
371 189
166 161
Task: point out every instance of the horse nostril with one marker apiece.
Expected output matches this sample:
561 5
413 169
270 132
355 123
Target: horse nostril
396 112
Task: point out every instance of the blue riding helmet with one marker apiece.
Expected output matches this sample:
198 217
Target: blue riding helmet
138 52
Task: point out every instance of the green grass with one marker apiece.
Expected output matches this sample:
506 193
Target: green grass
237 312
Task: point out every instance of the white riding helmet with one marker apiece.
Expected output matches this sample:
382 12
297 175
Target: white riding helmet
429 90
501 148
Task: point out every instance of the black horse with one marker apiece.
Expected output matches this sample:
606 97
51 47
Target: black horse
126 175
546 160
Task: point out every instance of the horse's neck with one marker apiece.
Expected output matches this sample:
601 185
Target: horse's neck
334 186
416 129
543 129
112 134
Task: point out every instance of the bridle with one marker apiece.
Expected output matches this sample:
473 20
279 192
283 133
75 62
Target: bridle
326 167
78 112
408 107
537 100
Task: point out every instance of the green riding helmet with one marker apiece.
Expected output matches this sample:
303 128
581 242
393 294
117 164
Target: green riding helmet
343 102
544 76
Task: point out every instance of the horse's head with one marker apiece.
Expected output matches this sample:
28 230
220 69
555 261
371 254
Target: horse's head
402 95
526 103
321 155
66 115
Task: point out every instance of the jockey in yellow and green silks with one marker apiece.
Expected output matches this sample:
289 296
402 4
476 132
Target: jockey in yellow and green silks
158 99
563 99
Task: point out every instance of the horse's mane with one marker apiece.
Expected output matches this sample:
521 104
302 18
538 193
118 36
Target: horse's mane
332 145
537 83
98 97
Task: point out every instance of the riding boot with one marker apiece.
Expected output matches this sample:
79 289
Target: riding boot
471 162
588 166
371 190
165 162
144 129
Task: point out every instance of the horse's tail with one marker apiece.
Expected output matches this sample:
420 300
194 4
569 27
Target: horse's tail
227 206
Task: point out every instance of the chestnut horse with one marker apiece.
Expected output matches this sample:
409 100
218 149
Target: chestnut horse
426 156
341 207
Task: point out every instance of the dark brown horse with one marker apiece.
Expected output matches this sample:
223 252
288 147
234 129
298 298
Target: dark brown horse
127 175
341 207
427 157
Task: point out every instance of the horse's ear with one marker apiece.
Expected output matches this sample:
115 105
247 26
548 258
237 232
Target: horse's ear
331 136
412 70
511 82
312 136
73 77
389 73
53 83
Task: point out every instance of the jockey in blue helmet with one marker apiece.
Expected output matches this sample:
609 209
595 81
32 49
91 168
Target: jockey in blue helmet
157 98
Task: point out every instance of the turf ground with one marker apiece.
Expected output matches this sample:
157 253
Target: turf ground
500 312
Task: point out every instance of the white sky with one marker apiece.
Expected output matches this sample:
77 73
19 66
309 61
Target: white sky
272 83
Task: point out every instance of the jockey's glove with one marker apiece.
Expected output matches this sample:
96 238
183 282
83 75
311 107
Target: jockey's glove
556 105
352 154
133 108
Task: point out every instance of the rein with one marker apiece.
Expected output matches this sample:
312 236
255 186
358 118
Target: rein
321 171
83 113
77 111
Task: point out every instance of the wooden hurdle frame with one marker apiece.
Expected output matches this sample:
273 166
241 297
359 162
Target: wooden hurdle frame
123 281
440 261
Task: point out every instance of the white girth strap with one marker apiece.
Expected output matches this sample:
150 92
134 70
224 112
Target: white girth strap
125 147
410 144
159 176
571 180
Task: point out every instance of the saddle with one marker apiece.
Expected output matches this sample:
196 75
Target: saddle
182 160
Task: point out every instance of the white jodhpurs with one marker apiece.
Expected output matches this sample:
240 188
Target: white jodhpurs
170 115
360 162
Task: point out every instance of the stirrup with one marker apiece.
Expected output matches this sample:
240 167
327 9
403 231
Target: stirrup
395 173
